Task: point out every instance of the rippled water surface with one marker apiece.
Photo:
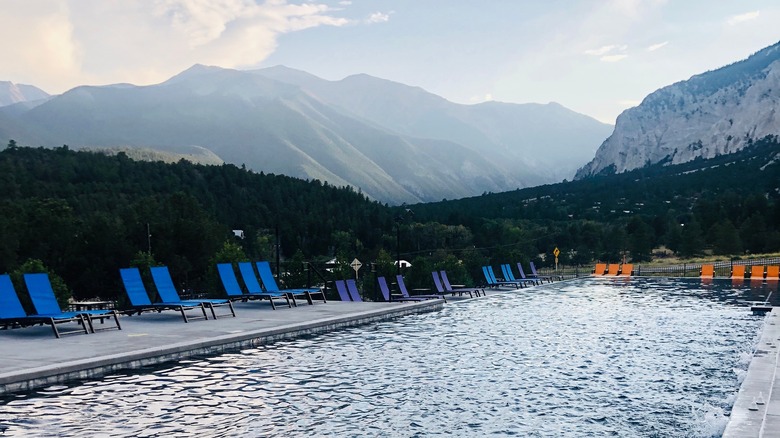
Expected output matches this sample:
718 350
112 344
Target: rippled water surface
591 357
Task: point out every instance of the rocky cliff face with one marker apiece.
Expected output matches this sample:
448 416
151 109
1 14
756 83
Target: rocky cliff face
714 113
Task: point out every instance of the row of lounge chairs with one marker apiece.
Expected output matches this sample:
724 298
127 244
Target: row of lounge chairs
509 279
48 311
613 269
757 272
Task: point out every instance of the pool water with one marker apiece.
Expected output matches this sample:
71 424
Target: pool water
584 358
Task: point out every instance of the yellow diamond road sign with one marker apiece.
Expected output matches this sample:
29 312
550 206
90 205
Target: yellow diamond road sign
556 251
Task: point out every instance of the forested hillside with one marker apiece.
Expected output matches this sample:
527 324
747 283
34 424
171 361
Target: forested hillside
85 215
727 205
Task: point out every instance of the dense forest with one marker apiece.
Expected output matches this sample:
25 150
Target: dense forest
84 215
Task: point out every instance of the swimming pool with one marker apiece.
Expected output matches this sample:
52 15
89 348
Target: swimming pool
590 357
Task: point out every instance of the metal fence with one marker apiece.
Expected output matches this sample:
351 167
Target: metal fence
722 268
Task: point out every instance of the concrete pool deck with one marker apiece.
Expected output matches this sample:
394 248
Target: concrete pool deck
32 357
756 411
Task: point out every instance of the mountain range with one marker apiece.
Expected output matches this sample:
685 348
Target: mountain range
393 142
713 113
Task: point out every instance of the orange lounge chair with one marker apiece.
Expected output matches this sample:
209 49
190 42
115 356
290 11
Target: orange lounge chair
627 269
757 273
738 272
707 271
614 268
772 273
600 269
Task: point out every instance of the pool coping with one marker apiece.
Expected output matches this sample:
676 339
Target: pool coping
99 366
749 416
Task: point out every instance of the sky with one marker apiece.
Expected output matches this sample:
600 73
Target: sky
596 57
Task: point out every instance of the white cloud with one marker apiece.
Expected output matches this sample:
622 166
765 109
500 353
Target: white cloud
655 47
345 2
603 50
73 42
378 17
613 58
741 18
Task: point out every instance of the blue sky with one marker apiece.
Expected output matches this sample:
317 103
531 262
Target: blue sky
596 57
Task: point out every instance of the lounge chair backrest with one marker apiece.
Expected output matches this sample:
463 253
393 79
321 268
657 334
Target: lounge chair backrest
164 284
626 269
445 281
488 279
384 288
738 272
613 269
10 306
600 269
229 280
250 278
533 270
707 271
341 288
520 269
41 294
492 274
773 272
134 286
757 272
267 276
354 293
402 286
437 282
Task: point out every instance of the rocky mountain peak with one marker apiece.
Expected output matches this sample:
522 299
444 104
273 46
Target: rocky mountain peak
713 113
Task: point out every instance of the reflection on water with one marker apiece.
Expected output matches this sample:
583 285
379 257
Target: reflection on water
592 357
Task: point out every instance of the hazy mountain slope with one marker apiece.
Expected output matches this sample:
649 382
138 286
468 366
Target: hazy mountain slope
717 112
11 93
539 143
265 124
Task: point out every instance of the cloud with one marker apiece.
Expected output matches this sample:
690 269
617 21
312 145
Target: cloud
613 58
741 18
655 47
603 50
378 17
74 42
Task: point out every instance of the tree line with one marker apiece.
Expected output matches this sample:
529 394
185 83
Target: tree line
83 215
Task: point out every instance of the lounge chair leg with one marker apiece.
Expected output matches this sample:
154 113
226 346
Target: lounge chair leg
308 299
271 299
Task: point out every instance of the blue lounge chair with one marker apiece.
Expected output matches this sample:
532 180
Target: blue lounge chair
506 268
254 288
389 297
445 281
140 302
405 292
267 277
233 290
167 291
492 281
45 302
12 313
341 288
535 281
534 274
440 286
354 293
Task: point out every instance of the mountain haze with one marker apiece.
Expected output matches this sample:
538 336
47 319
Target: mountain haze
11 93
714 113
394 143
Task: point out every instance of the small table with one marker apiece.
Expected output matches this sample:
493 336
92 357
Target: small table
79 306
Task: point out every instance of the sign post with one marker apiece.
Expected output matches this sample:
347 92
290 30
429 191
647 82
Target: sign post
556 253
356 265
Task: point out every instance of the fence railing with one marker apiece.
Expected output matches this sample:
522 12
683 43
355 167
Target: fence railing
722 268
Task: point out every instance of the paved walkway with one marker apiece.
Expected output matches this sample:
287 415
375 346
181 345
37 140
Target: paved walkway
32 357
756 412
